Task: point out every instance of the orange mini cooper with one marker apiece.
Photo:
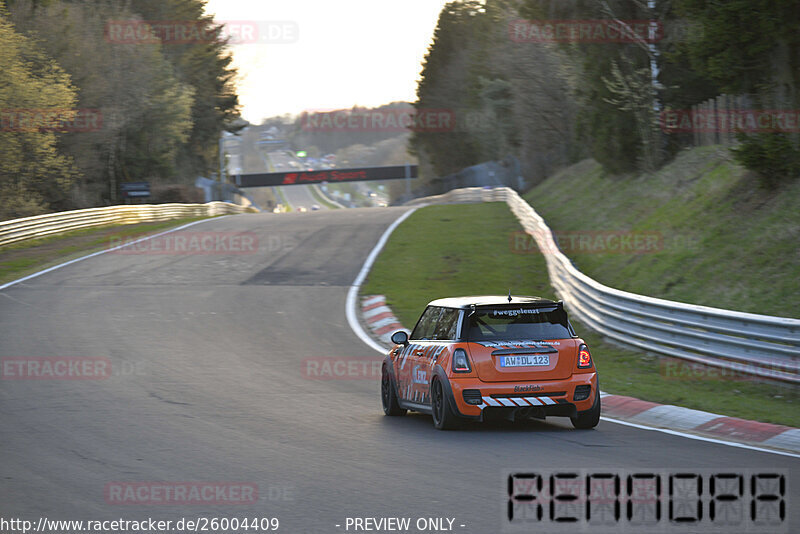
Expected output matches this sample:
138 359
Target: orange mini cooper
480 357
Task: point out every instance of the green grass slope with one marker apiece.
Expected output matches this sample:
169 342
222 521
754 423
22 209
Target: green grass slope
721 240
467 249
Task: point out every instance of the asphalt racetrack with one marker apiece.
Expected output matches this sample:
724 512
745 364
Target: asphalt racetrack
210 357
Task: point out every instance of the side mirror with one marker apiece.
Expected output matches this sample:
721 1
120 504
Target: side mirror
400 338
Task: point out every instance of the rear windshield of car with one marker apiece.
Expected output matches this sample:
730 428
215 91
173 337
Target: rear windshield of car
497 324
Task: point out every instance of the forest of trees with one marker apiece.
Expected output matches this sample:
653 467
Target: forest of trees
157 108
554 103
153 110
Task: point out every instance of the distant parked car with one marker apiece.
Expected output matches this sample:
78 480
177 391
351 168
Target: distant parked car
477 357
314 207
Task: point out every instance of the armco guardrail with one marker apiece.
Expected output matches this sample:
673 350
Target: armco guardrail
746 343
17 230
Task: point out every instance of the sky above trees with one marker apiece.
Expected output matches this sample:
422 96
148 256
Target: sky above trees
353 52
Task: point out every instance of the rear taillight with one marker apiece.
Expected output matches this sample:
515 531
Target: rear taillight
584 357
461 361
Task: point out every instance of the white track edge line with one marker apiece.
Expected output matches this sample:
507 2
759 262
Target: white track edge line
93 254
352 293
700 438
355 326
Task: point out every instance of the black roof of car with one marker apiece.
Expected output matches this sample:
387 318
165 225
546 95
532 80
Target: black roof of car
489 300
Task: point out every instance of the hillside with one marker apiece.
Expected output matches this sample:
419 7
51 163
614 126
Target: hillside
708 234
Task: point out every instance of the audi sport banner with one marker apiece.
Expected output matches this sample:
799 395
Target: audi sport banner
329 175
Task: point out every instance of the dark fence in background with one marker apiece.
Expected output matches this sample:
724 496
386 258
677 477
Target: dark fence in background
720 105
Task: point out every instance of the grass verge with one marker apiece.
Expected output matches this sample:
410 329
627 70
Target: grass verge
282 200
27 257
320 198
466 250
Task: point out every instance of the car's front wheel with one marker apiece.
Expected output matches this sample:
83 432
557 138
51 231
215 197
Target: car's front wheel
589 418
443 416
388 395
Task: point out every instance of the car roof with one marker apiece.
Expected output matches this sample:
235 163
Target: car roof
488 300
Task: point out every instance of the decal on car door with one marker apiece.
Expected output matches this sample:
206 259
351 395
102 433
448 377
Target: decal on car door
415 370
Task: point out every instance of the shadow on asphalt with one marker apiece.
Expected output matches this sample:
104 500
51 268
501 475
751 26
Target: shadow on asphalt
421 422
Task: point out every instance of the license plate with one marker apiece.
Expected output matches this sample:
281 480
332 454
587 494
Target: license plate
532 360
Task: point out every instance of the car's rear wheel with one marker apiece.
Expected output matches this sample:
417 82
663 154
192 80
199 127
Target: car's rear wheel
443 416
589 418
388 395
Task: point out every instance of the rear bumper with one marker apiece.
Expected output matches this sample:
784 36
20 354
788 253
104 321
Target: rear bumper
541 398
